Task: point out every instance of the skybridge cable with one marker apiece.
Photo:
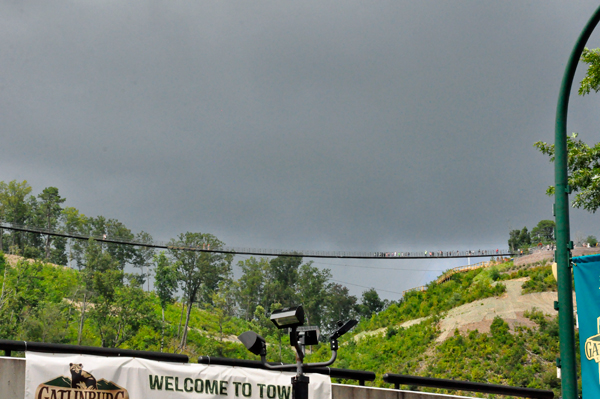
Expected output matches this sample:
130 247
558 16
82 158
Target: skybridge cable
265 252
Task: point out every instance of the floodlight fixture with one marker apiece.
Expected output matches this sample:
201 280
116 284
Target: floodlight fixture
309 335
288 317
343 329
254 343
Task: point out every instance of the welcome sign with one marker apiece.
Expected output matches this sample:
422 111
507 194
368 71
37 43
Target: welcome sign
586 270
65 376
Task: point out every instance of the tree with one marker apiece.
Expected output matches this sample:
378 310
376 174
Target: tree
73 223
592 76
2 211
312 291
283 278
592 240
102 277
119 310
251 285
144 256
519 239
124 254
543 232
513 239
583 165
50 210
223 306
370 303
15 205
199 272
165 283
340 306
583 161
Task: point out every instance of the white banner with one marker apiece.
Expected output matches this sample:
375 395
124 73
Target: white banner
62 376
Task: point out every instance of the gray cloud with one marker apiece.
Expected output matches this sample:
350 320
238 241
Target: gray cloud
322 125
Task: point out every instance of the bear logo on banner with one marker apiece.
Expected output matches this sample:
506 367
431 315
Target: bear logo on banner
81 385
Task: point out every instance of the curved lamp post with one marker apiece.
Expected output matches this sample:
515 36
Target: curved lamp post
563 241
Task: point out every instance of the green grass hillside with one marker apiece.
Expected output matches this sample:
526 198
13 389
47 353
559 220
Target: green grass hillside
42 302
517 354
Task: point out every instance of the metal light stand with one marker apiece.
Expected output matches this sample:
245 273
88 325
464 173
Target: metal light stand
257 345
293 318
300 381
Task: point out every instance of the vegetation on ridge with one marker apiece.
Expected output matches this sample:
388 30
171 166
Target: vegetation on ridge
98 303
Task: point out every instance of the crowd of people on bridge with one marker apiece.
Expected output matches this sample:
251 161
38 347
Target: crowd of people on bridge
438 254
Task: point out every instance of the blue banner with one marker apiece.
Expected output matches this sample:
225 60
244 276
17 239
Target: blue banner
586 270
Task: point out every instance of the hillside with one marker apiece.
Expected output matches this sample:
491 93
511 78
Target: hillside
494 324
42 302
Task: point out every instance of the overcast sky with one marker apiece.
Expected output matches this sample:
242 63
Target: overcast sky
327 125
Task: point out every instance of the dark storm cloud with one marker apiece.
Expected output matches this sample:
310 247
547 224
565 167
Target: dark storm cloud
321 125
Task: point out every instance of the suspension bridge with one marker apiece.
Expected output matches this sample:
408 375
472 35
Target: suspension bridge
225 249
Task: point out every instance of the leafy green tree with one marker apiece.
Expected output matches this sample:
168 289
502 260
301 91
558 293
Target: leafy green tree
513 239
524 237
519 239
543 232
223 306
583 161
119 310
341 306
251 286
16 206
283 280
592 76
45 323
74 222
124 254
144 256
102 277
3 194
312 288
264 326
32 243
165 283
583 164
199 272
50 209
592 240
371 303
58 252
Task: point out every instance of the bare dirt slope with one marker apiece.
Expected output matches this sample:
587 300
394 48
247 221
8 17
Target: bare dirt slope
479 315
510 307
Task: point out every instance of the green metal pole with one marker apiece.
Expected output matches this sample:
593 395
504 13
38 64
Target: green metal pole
563 243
